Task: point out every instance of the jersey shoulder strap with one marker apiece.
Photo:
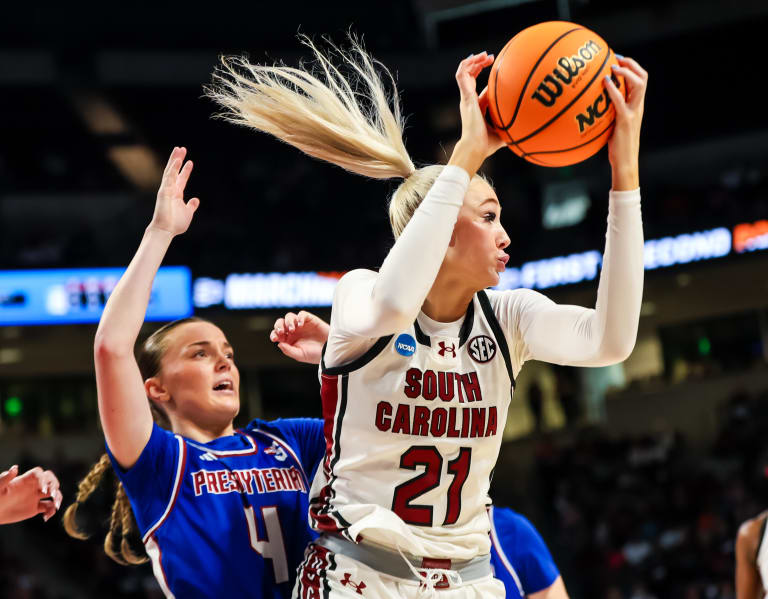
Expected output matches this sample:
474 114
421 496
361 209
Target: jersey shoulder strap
357 363
501 339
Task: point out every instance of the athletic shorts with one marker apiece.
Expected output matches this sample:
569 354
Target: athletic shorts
327 575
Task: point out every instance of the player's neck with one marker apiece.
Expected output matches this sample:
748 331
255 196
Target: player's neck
202 434
448 299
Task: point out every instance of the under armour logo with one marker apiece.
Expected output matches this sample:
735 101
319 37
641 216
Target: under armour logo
208 457
276 451
444 349
358 587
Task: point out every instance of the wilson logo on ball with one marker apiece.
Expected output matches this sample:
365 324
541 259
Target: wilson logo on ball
550 89
546 94
481 348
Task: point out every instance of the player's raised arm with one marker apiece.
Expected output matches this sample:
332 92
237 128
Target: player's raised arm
424 229
606 334
357 125
123 407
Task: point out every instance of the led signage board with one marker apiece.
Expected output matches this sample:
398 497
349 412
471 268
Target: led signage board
70 296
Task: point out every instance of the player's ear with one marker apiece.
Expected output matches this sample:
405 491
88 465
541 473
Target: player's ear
155 390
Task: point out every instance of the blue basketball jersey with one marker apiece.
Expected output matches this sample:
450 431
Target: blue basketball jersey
226 518
519 556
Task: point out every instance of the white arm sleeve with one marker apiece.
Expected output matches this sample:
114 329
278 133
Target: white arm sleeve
369 305
576 336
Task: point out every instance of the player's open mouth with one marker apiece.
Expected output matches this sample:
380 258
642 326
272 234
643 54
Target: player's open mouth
226 386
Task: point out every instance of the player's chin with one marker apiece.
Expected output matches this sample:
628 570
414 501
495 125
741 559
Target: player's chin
226 401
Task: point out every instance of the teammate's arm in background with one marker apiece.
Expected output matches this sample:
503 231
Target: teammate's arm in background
578 336
123 406
748 582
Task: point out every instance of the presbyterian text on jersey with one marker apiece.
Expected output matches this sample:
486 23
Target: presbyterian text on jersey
434 420
259 480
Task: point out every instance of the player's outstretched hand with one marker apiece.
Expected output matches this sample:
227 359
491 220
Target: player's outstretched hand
300 336
624 145
34 492
172 213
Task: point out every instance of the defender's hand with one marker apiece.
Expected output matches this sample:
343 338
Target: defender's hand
172 214
300 336
34 492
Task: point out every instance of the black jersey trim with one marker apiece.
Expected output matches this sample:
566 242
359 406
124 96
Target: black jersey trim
358 363
485 304
421 336
762 537
337 442
466 326
324 575
464 332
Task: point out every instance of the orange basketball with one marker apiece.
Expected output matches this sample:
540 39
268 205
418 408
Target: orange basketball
546 96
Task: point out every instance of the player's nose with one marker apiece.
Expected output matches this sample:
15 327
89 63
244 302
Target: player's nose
503 238
223 363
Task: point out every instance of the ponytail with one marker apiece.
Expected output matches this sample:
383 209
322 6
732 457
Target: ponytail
348 122
121 542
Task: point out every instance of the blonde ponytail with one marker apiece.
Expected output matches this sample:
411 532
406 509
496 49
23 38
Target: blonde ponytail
347 122
121 539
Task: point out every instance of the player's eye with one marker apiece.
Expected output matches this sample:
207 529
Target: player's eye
200 353
489 216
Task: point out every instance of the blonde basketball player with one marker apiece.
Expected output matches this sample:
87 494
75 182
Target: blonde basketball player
421 361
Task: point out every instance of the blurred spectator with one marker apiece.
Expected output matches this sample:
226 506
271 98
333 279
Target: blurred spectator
567 388
650 518
535 401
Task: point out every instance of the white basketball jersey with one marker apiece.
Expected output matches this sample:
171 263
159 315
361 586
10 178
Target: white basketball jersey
413 429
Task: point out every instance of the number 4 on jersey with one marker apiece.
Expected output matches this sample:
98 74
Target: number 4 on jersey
273 547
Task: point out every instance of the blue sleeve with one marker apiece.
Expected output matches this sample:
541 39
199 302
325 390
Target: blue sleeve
525 549
304 435
149 482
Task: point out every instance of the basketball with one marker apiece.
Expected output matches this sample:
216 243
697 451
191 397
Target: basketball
546 96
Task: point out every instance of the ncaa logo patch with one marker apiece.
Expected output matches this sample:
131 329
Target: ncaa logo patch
405 345
481 348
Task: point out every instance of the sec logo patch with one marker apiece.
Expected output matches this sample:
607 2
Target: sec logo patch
405 345
481 348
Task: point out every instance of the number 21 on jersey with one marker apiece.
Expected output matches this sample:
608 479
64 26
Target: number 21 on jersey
429 457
